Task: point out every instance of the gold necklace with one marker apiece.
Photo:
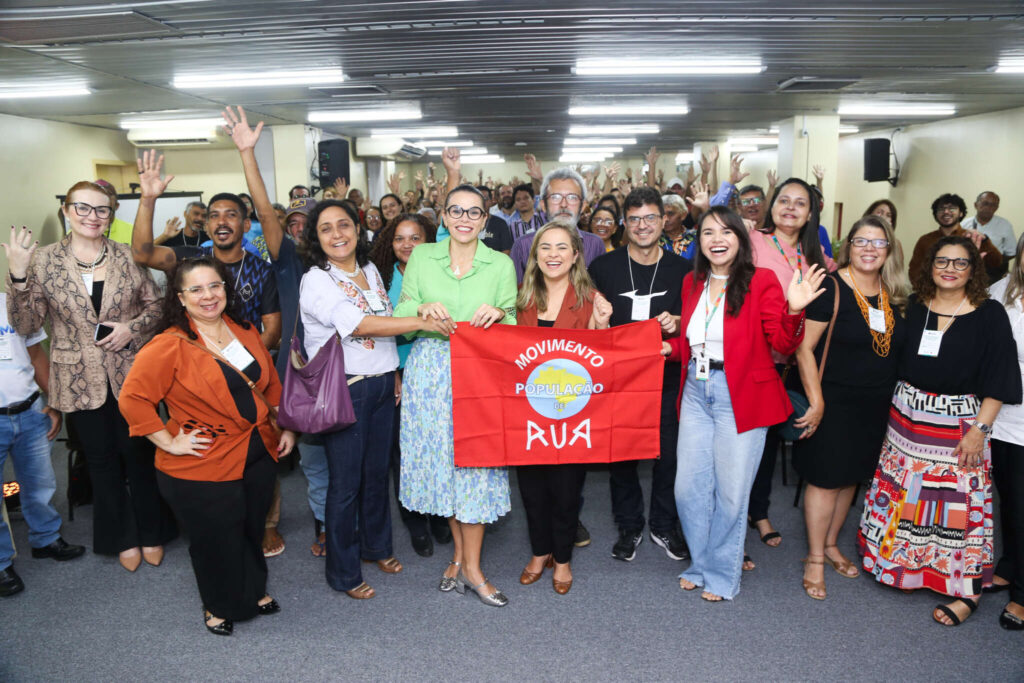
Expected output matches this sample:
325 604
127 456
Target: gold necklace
880 341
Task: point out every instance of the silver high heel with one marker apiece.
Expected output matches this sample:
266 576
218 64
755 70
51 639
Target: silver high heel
495 599
448 582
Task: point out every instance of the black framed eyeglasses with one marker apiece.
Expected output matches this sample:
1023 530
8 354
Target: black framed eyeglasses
455 211
942 263
82 209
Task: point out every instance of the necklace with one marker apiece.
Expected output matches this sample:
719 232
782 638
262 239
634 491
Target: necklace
880 341
354 273
101 255
629 263
718 277
218 341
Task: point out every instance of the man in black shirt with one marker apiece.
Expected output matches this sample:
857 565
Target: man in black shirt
642 282
192 234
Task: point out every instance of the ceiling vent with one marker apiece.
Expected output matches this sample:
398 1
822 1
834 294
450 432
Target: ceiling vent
816 84
79 28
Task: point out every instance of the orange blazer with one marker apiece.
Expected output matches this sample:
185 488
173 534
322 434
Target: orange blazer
567 318
193 386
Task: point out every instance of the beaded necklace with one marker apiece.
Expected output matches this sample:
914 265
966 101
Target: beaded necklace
880 341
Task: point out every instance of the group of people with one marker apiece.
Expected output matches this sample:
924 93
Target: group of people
766 337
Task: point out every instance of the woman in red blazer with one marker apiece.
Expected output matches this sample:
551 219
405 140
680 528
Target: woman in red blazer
733 315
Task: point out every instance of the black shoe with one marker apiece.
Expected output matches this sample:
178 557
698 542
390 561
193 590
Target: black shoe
59 550
673 544
442 534
271 607
423 545
224 628
625 548
582 539
10 582
1010 621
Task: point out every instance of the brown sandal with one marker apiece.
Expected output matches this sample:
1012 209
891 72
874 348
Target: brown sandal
815 585
842 567
389 566
361 592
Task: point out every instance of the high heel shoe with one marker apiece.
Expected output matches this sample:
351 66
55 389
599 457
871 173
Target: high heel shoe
814 585
130 562
447 583
272 607
495 599
1010 621
528 577
153 556
224 628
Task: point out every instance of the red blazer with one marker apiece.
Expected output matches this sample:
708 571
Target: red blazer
567 318
758 397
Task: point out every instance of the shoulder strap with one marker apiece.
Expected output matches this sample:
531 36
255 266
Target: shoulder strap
831 327
245 378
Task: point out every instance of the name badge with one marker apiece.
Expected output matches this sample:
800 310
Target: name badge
703 369
237 355
876 320
641 307
931 340
376 304
87 279
6 350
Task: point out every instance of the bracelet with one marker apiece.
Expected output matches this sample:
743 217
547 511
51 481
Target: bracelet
19 280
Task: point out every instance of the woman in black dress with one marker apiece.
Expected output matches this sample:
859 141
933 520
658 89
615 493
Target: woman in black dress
845 423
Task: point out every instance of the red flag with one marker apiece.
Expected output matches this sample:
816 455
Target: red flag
545 396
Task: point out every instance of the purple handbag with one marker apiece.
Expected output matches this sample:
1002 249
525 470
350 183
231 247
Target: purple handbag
315 398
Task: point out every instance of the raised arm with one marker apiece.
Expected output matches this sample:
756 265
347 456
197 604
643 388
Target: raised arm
245 138
652 162
451 157
144 251
534 172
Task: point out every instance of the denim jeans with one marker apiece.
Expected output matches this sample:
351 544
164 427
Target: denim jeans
23 436
715 470
358 509
313 459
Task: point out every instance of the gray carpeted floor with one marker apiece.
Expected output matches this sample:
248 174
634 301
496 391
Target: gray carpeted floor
90 620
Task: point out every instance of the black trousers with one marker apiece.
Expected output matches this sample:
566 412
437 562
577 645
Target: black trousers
1008 476
128 511
551 498
627 496
761 491
224 521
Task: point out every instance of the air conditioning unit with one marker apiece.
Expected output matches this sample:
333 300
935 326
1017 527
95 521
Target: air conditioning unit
395 149
161 138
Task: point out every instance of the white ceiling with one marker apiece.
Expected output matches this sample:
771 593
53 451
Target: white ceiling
502 72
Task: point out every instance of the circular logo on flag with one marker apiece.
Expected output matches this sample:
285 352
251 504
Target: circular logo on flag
559 388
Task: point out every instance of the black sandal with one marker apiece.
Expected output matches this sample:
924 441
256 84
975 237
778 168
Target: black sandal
945 609
224 628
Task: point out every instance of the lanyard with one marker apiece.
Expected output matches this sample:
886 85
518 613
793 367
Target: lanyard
709 316
629 262
238 275
951 318
799 257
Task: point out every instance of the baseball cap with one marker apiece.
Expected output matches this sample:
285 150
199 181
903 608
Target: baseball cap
301 205
676 181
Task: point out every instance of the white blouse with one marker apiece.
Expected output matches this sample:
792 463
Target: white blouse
714 343
330 302
1009 425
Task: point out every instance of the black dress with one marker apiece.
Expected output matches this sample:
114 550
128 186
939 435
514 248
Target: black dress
857 388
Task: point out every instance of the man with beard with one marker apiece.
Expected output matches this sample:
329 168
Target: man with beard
496 233
192 234
948 210
753 206
505 209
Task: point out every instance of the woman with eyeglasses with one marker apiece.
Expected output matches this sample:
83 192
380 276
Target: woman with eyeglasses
373 221
604 222
887 210
927 520
100 307
844 426
216 454
458 281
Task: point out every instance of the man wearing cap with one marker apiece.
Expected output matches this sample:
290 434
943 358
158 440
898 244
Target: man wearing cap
676 186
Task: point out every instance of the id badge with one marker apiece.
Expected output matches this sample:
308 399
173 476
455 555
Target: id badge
87 279
641 307
6 351
876 320
703 368
375 302
237 355
931 340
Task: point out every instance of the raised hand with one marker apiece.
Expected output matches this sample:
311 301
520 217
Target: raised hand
341 187
480 176
705 164
395 182
714 154
451 157
629 174
652 157
701 200
773 178
19 251
150 183
172 227
661 176
237 126
735 173
819 173
533 167
624 187
691 175
804 289
602 311
611 171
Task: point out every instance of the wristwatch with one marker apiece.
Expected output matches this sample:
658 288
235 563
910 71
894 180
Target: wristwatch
983 428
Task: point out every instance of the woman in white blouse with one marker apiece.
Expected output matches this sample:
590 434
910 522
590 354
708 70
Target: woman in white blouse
343 294
1008 461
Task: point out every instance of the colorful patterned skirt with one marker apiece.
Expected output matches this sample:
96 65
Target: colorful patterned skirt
429 481
927 522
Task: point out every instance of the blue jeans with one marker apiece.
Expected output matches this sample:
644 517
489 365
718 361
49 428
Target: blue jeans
714 473
358 508
24 437
313 459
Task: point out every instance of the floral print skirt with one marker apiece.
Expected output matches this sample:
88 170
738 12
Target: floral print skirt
430 482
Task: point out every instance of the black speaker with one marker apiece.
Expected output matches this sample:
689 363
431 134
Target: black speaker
876 159
333 160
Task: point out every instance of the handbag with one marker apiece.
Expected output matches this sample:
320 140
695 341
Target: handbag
789 431
315 398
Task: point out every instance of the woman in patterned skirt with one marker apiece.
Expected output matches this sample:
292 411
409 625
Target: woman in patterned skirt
927 519
459 279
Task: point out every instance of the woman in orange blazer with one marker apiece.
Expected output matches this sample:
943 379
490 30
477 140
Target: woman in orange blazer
733 315
215 455
556 292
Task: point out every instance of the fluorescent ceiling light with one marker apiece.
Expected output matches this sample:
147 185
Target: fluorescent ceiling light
441 143
573 157
630 110
684 157
134 124
569 142
378 114
259 79
25 93
469 151
644 67
591 150
754 140
843 130
416 133
637 129
739 149
483 159
889 109
1014 67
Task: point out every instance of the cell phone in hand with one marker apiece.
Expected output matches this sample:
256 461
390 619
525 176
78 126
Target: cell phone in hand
102 332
